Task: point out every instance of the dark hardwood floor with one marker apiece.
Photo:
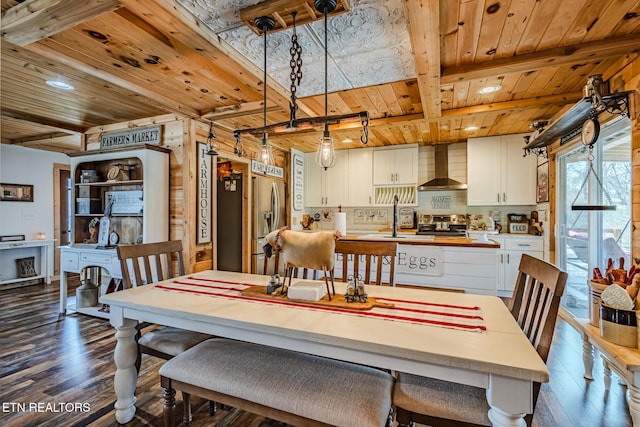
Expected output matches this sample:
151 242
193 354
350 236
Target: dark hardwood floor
66 362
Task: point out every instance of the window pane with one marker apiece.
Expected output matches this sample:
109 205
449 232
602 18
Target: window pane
587 239
616 172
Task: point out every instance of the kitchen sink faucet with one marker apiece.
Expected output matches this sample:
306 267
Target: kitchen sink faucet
394 230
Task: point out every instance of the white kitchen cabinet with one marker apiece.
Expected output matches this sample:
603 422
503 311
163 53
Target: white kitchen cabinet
326 187
512 247
498 173
395 166
360 177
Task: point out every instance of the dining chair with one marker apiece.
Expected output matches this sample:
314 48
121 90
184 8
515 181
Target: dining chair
362 255
535 303
272 266
147 263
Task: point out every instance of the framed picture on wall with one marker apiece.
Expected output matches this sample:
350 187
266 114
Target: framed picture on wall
542 187
16 192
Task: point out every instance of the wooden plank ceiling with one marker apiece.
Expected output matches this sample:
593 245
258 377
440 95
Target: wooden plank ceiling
131 59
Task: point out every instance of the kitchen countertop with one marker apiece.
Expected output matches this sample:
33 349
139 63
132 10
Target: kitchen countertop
413 239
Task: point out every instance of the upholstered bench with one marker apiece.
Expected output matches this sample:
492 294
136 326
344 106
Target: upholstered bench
292 387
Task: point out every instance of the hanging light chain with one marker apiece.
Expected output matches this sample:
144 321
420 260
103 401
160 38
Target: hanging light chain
296 70
364 121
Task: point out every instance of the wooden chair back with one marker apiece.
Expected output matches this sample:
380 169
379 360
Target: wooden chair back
536 301
150 262
272 266
367 253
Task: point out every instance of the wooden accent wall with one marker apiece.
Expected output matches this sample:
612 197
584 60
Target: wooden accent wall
181 135
635 164
175 138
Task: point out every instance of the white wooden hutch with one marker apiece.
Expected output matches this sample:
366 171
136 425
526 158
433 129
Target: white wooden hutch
131 182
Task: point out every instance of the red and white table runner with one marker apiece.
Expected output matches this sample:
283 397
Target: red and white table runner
421 312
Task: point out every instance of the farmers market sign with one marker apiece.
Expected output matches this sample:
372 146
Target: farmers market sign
150 135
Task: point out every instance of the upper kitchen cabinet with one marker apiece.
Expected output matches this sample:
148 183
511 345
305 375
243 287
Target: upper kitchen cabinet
360 173
395 166
498 173
326 187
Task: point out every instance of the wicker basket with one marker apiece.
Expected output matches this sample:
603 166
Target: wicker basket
595 289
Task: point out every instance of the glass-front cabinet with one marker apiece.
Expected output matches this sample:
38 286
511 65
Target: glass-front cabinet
130 187
119 196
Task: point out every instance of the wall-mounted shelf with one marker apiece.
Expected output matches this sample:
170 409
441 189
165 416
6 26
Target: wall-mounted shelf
575 117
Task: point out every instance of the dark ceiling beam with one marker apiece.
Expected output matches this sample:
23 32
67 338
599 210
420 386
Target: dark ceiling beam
424 30
473 111
239 110
48 136
513 106
584 52
43 121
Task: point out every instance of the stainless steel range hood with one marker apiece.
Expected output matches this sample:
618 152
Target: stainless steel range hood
442 180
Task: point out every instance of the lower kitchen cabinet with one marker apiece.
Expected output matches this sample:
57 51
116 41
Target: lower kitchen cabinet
511 249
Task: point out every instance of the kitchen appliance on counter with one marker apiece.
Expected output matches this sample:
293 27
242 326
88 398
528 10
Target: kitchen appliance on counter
442 225
518 223
268 214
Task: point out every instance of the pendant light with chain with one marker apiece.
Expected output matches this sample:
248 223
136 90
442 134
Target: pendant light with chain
266 24
212 142
325 152
326 149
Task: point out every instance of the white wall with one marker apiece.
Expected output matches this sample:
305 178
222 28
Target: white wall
20 165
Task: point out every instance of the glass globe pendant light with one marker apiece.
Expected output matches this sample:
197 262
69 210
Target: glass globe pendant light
266 153
266 24
325 152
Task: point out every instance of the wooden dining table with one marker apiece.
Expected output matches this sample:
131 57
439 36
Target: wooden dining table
464 338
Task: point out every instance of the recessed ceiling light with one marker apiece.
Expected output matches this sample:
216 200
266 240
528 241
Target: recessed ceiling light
489 89
471 128
59 84
347 140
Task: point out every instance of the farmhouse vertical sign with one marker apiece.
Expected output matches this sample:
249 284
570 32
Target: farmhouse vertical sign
204 195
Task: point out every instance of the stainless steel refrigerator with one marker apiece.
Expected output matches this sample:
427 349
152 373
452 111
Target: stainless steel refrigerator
268 215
